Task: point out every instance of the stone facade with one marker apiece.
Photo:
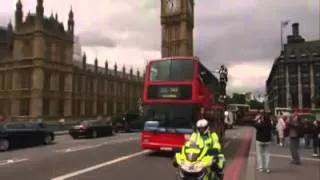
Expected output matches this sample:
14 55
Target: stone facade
177 21
40 77
294 80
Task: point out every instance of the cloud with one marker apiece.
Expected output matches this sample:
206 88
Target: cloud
241 76
241 34
4 19
90 39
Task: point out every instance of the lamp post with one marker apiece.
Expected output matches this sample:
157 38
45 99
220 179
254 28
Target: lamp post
283 24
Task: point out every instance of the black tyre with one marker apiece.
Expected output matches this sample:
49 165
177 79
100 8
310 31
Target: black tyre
4 144
75 137
94 134
47 139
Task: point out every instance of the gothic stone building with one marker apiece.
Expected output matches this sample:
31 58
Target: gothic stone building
294 80
38 76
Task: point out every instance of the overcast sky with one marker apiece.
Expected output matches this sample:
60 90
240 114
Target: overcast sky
244 35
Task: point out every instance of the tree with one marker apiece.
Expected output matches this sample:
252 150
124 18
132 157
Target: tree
228 100
255 104
238 98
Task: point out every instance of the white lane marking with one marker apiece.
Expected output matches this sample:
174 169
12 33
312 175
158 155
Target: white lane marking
289 157
226 144
11 161
80 148
92 168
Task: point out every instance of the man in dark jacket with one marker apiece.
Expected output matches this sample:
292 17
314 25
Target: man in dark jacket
316 138
307 132
263 140
295 128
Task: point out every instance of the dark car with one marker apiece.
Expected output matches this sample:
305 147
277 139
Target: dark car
128 122
18 134
91 128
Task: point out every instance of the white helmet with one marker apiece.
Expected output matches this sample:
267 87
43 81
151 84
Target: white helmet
226 113
202 126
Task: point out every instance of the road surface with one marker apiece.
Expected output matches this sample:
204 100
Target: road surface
116 157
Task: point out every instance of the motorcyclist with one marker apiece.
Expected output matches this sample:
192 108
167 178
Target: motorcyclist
211 139
198 151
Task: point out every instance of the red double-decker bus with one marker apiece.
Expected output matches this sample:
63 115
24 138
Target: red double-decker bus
177 92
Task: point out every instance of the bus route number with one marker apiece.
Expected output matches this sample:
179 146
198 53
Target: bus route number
169 92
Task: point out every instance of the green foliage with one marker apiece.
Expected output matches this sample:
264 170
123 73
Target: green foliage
255 104
239 98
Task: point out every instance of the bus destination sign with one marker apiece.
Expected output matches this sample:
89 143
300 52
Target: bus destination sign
181 92
169 92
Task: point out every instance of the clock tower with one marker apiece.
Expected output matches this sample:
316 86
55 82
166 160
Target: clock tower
177 22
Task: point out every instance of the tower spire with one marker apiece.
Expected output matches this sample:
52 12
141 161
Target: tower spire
40 8
18 14
71 21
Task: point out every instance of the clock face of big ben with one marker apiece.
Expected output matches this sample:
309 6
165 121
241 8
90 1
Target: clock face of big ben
172 6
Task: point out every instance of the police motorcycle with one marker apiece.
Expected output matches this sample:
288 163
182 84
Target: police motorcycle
194 163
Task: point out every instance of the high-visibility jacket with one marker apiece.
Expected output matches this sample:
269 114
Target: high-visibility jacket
212 142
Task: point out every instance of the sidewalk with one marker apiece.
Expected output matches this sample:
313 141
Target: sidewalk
281 167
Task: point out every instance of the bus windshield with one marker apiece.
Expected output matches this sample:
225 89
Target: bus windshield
171 70
171 115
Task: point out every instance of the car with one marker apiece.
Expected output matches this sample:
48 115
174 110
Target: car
128 122
18 134
91 128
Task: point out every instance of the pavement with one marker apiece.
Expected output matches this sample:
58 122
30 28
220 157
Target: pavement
115 157
280 164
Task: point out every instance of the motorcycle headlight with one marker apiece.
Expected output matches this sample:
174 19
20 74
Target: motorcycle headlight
192 156
198 167
192 168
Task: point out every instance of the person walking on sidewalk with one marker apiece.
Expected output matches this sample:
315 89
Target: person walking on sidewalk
316 138
295 128
263 140
281 126
307 132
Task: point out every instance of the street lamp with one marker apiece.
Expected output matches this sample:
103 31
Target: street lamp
283 24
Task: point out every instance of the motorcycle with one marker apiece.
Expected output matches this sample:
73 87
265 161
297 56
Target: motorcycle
192 168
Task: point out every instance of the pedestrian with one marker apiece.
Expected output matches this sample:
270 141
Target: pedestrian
274 124
295 128
281 126
62 123
307 132
263 141
316 138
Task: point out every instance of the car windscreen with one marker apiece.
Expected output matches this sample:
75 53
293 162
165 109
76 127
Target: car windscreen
171 115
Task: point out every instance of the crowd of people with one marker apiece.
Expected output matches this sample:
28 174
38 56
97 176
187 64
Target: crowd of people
287 130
